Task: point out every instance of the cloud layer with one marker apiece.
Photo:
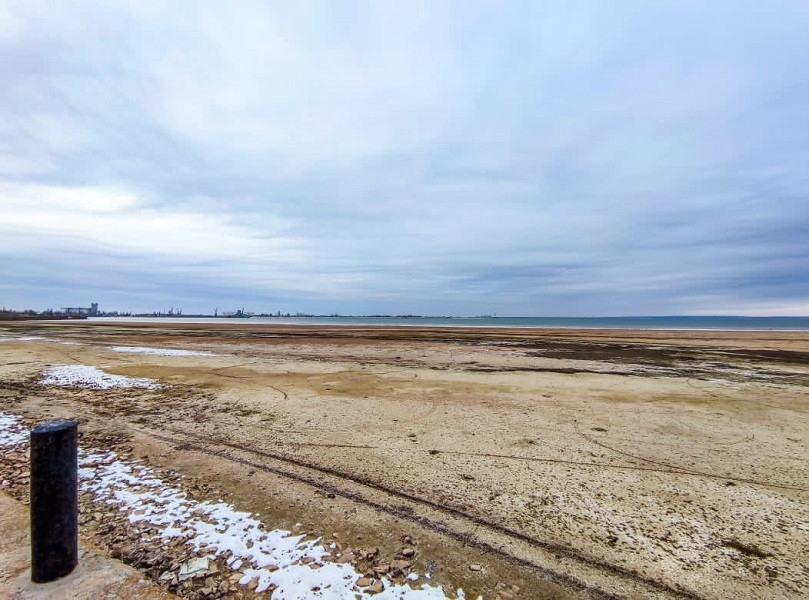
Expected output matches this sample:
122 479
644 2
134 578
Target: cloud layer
443 158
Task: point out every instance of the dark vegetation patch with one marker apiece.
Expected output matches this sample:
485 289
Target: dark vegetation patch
618 352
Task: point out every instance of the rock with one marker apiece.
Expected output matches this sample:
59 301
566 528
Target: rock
408 552
235 577
364 581
399 565
193 567
376 587
475 567
166 578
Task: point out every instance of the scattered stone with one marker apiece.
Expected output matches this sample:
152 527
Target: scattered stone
408 552
397 566
376 587
167 578
475 567
364 581
193 567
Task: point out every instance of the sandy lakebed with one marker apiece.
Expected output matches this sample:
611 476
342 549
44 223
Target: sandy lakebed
509 463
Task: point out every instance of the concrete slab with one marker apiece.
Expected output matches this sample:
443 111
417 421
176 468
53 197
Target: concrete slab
96 576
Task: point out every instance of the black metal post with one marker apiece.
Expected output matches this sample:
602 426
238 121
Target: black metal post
54 500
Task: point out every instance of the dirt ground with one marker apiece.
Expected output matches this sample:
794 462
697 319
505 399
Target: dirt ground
523 463
95 576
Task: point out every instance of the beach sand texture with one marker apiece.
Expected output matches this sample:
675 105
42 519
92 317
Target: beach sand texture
518 463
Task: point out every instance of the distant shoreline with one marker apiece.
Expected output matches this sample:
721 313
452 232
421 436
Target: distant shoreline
9 317
630 323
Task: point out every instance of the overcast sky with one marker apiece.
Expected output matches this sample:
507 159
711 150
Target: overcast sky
537 158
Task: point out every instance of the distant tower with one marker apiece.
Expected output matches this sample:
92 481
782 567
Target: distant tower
94 309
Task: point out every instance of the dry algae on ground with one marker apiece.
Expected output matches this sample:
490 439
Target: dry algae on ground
534 463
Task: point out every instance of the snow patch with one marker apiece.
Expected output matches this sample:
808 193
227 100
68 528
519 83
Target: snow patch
298 569
92 377
160 351
12 431
218 529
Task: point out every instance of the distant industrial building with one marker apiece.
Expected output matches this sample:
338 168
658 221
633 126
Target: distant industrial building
73 311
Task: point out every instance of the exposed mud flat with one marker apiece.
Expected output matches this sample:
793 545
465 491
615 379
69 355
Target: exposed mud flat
540 463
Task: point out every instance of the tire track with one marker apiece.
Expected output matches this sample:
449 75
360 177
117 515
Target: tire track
280 391
592 440
673 470
202 444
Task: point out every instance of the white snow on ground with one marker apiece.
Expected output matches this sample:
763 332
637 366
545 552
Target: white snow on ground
92 377
12 432
219 529
159 351
37 338
273 557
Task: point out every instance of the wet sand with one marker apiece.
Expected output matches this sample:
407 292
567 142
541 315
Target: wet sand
524 463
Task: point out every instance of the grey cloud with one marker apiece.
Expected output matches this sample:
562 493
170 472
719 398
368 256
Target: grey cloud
527 158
